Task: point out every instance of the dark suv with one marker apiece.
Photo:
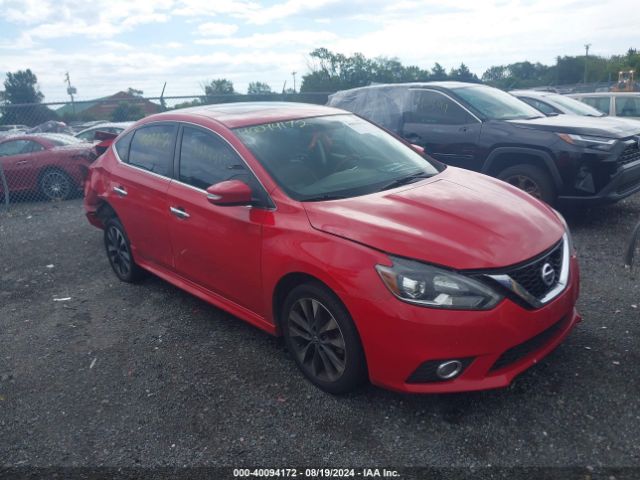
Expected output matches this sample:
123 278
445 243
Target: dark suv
560 159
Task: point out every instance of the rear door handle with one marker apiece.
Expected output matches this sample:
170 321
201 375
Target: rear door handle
120 191
22 162
179 212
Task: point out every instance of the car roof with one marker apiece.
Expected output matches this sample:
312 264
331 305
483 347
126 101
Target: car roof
449 84
606 94
243 114
49 137
533 93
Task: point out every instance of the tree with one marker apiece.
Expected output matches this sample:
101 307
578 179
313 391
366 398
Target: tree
463 74
215 89
21 87
126 111
134 92
258 88
438 73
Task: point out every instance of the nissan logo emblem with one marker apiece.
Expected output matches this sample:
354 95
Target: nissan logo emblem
548 274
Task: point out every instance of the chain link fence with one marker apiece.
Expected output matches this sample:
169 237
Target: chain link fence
47 148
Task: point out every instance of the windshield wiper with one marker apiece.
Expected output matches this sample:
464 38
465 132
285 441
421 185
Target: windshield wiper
398 182
326 196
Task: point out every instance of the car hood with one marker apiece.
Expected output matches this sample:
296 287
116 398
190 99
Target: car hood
608 127
458 219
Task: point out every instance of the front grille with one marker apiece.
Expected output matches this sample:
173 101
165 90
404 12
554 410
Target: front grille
530 276
629 154
532 345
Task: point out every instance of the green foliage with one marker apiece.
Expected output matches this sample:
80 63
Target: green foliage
22 87
134 92
126 111
217 88
258 88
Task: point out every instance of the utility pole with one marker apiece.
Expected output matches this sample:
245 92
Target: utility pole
586 59
71 91
294 81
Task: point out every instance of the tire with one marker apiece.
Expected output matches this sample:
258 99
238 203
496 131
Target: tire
118 250
56 185
322 338
531 179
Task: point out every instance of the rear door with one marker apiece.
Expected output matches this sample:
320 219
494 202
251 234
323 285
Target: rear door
446 130
219 248
138 188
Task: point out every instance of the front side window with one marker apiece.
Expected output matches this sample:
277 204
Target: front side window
628 107
435 108
206 159
494 104
335 156
152 148
599 103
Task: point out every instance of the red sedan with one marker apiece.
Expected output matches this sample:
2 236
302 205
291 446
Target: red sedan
373 261
53 165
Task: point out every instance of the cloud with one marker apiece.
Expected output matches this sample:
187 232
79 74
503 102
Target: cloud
212 29
292 38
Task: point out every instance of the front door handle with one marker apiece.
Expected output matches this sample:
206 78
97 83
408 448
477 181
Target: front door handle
179 212
22 162
120 191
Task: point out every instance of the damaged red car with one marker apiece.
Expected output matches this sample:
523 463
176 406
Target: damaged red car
51 165
373 261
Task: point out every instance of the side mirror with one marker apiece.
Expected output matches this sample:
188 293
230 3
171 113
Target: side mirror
418 148
229 193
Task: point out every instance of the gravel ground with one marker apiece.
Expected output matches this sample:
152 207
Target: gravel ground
147 375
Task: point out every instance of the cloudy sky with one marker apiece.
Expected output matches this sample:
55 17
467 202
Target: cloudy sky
109 45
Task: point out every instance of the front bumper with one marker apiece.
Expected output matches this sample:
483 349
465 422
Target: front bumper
495 345
625 182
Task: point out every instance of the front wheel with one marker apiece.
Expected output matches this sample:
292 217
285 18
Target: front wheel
533 180
56 184
323 339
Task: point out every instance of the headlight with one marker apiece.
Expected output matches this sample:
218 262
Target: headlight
598 143
429 286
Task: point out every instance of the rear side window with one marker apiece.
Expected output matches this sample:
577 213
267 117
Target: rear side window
206 159
152 149
628 106
122 147
435 108
599 103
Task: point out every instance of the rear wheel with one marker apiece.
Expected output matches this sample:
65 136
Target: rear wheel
531 179
118 250
322 338
55 184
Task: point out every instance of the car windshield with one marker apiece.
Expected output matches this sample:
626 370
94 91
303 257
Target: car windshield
494 104
329 157
576 106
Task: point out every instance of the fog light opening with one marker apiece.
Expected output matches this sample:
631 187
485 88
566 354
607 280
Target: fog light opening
449 369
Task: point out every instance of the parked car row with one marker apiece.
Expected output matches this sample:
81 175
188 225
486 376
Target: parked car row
561 159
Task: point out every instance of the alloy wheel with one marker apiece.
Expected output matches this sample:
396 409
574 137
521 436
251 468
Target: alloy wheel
55 185
525 183
317 340
118 251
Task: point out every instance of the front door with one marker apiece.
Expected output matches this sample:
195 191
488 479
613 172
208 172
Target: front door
217 247
446 130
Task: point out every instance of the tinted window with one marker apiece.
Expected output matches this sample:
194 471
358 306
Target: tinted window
206 159
18 147
152 148
599 103
332 156
628 107
435 108
538 105
122 146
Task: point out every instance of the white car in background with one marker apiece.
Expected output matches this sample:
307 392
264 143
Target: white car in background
551 103
614 104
